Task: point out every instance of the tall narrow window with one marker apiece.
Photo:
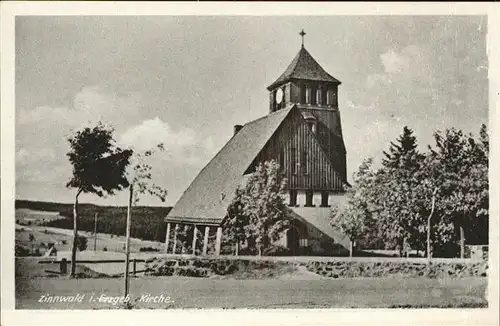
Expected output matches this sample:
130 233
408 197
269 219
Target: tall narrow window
308 95
312 125
303 164
329 97
324 199
309 199
293 160
293 198
319 97
303 94
281 160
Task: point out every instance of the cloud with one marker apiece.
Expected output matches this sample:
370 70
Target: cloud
377 79
394 62
149 133
42 132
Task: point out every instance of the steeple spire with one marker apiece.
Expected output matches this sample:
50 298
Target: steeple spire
302 34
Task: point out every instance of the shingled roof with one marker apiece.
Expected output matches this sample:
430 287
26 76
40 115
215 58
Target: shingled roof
206 200
304 66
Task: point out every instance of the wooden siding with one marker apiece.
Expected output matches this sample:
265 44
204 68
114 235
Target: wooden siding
295 134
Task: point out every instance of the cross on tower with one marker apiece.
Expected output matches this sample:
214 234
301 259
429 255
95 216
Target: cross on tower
302 33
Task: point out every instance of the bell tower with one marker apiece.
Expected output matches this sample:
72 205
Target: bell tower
306 84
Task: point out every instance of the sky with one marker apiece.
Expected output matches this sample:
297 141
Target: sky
186 80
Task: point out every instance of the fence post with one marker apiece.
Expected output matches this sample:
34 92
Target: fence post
135 267
63 266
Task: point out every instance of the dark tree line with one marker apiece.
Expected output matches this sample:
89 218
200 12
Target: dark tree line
438 197
148 222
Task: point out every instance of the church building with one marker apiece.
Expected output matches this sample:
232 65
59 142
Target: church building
303 133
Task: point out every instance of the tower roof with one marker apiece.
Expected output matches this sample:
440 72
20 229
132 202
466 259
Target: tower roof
304 66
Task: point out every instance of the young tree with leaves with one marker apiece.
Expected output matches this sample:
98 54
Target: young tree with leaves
258 212
460 168
354 217
98 168
140 183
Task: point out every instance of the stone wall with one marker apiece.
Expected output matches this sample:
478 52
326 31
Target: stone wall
208 267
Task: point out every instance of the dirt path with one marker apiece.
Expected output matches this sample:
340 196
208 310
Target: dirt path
278 293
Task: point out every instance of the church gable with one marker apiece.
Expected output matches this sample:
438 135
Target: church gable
208 196
303 161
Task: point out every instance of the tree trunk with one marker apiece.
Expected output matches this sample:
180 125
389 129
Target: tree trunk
127 238
237 248
462 241
405 248
429 249
95 232
75 235
351 246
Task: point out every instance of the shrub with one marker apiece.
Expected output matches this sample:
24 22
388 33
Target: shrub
81 243
64 242
276 250
21 251
146 249
105 249
248 251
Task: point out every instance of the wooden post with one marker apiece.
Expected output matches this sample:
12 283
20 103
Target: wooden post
193 244
175 238
75 234
134 264
237 248
127 237
167 238
351 246
218 241
95 232
63 267
205 240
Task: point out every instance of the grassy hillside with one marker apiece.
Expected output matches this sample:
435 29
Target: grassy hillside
147 222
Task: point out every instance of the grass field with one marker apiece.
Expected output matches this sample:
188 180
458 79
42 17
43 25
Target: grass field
271 293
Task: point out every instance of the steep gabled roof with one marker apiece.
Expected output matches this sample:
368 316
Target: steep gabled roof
208 196
304 66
